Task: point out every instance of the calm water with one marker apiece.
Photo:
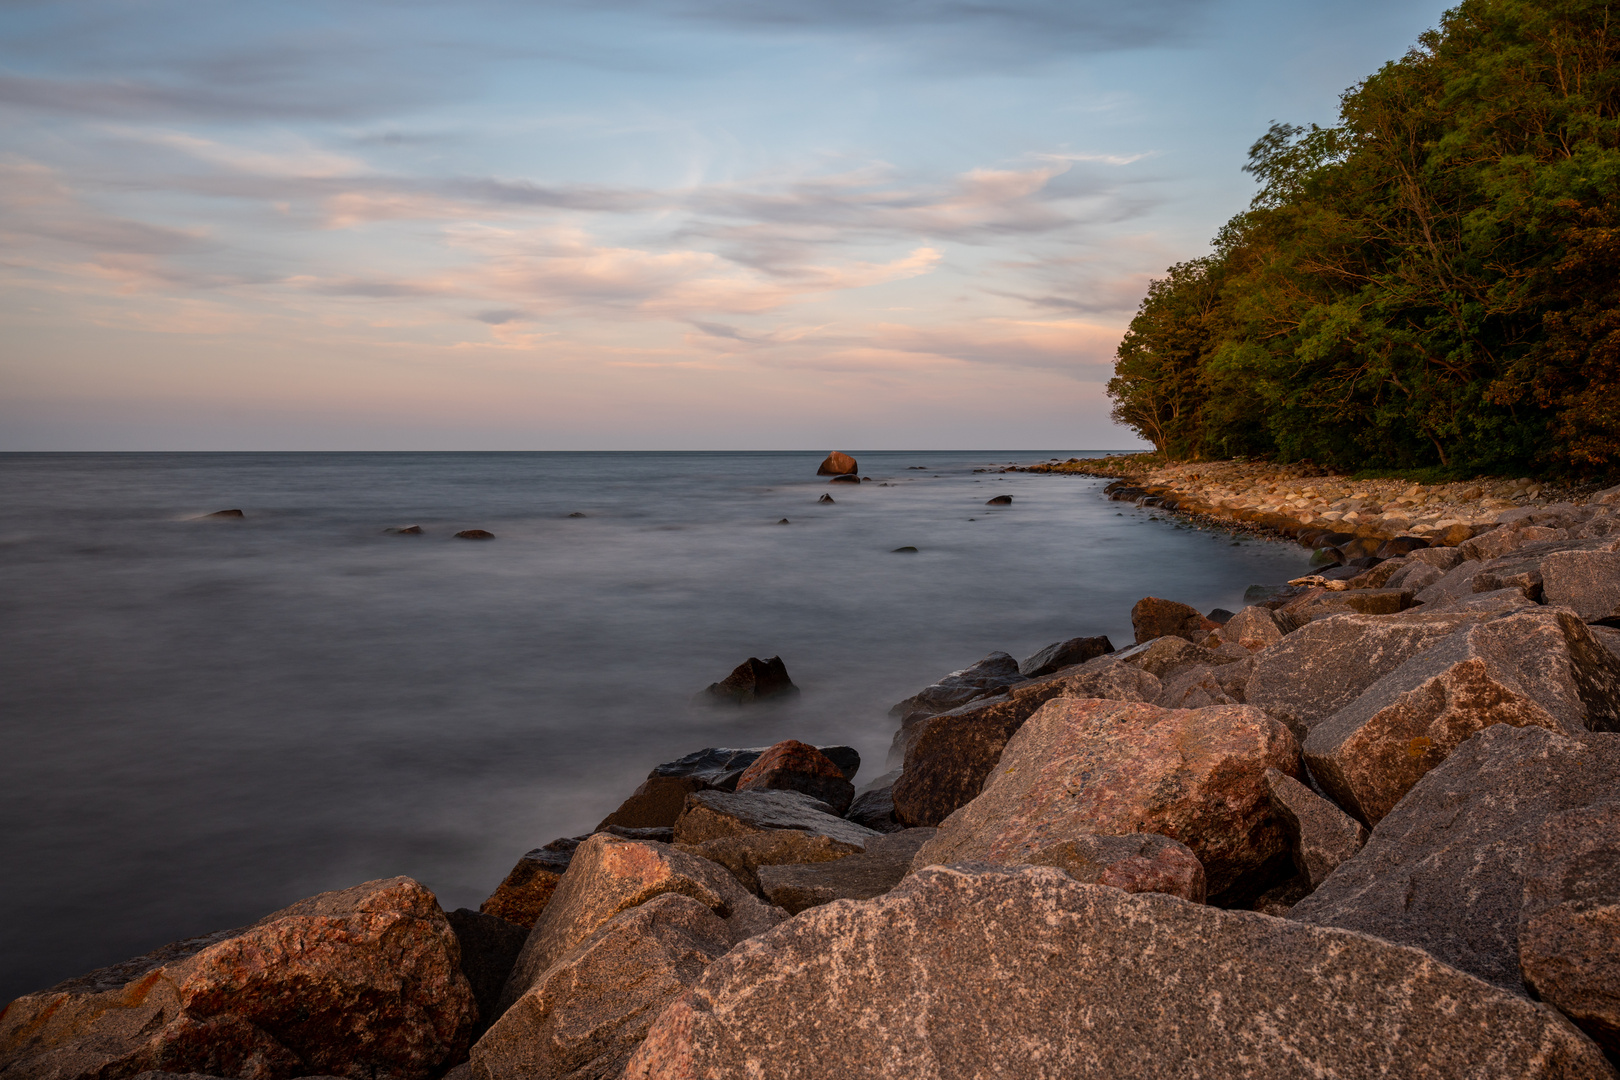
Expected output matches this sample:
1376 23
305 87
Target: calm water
202 721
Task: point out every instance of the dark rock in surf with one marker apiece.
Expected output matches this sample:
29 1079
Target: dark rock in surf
489 948
851 479
474 534
225 514
907 550
752 680
1064 654
826 499
999 500
989 676
406 530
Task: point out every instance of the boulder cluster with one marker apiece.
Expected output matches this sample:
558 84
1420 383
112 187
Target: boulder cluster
1368 826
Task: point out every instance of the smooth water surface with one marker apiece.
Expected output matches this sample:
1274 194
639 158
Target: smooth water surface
204 720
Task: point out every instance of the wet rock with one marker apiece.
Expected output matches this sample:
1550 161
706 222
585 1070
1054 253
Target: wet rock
489 948
474 534
1080 767
527 889
852 479
948 756
609 875
1138 862
1530 668
576 514
1444 870
784 521
1028 973
406 530
360 982
795 887
1062 654
1569 924
1155 618
826 499
587 1013
746 830
874 806
908 549
1586 582
1322 835
1324 666
795 766
225 514
752 680
662 796
989 676
837 463
1254 628
999 500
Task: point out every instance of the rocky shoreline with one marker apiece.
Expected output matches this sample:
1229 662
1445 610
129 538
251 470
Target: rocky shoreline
1367 826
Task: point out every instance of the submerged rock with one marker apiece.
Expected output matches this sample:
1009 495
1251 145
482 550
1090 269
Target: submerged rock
1030 974
752 680
474 534
225 514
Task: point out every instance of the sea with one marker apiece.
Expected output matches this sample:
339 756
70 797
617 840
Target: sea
203 720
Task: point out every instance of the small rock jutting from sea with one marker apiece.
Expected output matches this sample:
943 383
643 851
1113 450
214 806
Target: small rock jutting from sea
1367 826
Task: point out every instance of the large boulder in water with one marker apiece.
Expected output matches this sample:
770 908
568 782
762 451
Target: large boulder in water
752 680
359 983
1028 974
838 463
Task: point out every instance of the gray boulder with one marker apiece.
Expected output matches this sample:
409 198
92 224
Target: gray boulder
1586 582
988 677
1319 669
1569 926
586 1013
874 805
746 830
1444 871
1029 974
1322 835
1063 654
1538 667
861 876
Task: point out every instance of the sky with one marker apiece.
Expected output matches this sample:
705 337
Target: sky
620 224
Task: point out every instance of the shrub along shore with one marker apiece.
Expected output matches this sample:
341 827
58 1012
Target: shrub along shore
1368 826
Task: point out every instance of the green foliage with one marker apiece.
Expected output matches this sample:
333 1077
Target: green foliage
1432 283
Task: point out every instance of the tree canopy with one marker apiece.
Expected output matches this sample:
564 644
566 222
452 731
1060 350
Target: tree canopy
1434 281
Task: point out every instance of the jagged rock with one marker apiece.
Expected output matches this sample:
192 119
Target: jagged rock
1456 584
1064 654
746 830
948 756
1234 678
874 806
662 796
838 463
1028 974
609 875
1494 543
1400 546
1441 558
364 981
1378 575
1254 628
1320 668
1316 606
1322 835
1137 862
527 889
1608 637
1166 655
587 1013
1444 870
859 876
1414 576
827 499
795 766
1569 924
1538 667
988 677
1155 618
752 680
489 948
1080 767
1587 582
1194 687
